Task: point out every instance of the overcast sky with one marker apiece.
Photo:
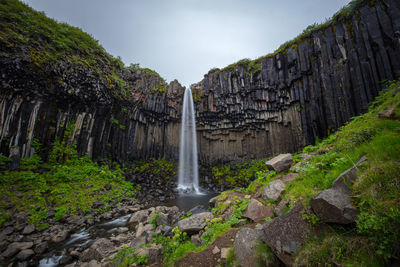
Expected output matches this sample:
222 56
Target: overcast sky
183 39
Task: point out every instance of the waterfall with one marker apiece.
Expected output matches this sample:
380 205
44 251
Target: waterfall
188 179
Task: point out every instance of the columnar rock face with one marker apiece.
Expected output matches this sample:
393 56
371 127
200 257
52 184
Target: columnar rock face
307 90
248 111
40 105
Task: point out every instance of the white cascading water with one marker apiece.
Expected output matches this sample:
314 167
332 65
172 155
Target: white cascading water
188 179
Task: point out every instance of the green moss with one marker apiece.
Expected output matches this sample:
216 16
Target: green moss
26 32
70 186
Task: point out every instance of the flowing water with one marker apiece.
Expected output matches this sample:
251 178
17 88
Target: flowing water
188 179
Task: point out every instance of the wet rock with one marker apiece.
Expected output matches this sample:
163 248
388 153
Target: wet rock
9 252
29 229
41 248
273 191
194 223
65 260
212 202
286 234
59 236
245 246
256 211
25 254
280 163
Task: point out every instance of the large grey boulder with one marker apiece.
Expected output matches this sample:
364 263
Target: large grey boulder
244 246
280 163
195 223
334 205
286 234
273 191
256 211
139 216
104 246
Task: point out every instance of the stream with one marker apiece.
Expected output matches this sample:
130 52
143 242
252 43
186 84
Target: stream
86 236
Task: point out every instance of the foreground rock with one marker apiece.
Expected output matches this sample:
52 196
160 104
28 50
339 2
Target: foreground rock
273 191
256 211
195 223
334 205
280 163
245 247
286 234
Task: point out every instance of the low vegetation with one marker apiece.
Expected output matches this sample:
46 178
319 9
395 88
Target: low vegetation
29 33
64 185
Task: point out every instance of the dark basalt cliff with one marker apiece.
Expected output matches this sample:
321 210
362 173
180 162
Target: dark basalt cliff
249 110
41 104
282 102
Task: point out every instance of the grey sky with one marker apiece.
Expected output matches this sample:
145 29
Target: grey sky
183 39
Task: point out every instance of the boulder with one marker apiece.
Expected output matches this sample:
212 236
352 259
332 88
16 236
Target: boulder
77 220
136 242
194 223
245 246
104 246
59 236
256 211
387 113
15 157
213 202
25 254
90 254
9 252
139 216
288 178
286 234
334 205
280 163
6 232
280 207
92 263
216 250
273 191
41 248
29 229
195 239
21 245
153 253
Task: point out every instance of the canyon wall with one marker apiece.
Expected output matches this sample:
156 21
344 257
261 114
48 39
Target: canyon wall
282 102
73 103
249 110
